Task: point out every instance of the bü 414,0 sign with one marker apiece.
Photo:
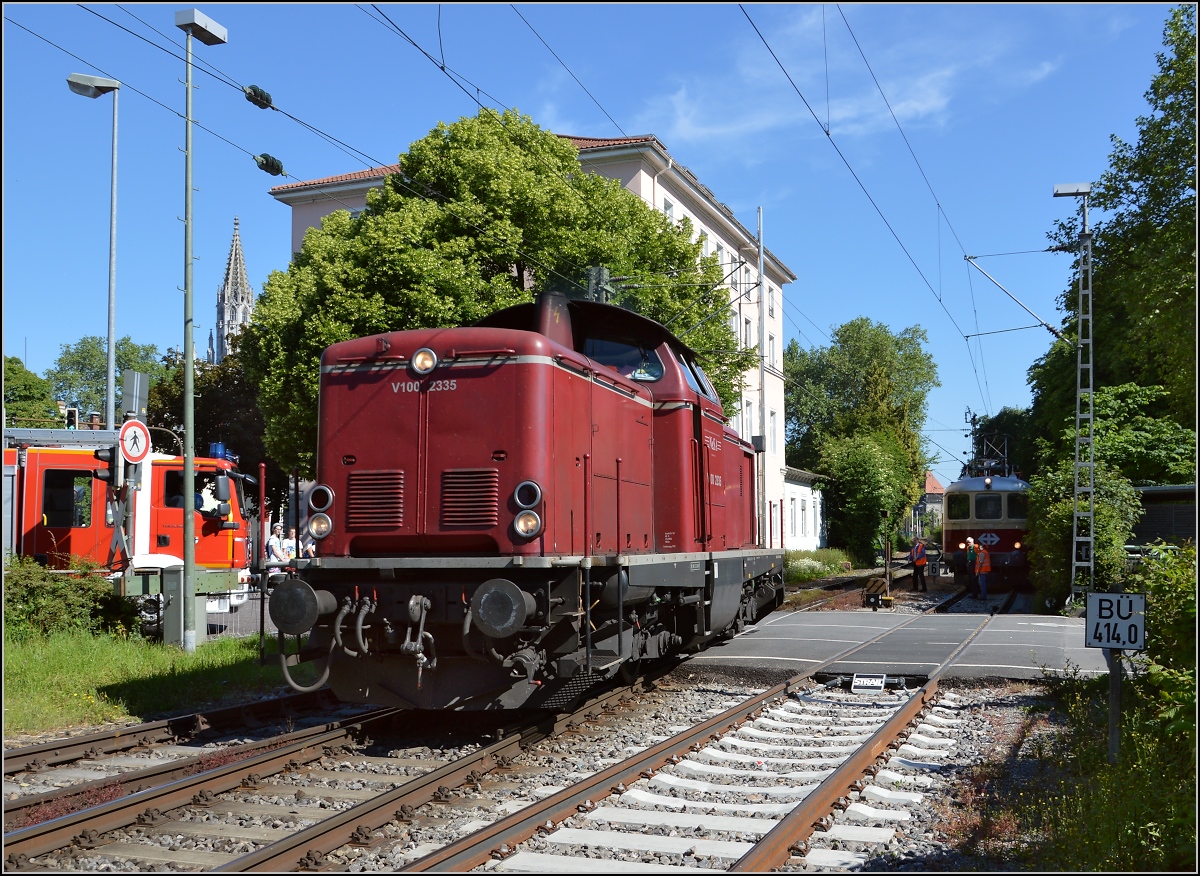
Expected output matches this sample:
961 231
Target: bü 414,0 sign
1116 620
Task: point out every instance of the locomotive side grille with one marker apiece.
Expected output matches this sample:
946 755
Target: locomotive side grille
470 498
375 500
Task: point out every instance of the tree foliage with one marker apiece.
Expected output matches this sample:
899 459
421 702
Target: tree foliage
78 376
486 212
27 401
1144 253
855 410
225 409
1051 521
1145 449
867 475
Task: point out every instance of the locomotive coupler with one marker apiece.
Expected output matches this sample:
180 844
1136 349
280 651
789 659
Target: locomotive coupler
418 609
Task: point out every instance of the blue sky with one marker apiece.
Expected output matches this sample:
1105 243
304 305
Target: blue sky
998 102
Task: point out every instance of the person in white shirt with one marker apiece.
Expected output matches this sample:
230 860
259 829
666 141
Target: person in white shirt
275 549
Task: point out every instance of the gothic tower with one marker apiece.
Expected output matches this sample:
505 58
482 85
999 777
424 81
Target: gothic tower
235 300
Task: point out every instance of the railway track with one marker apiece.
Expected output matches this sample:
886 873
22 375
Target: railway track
321 801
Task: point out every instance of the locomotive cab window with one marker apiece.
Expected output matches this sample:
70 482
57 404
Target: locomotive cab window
1018 506
958 506
695 377
989 507
67 499
628 358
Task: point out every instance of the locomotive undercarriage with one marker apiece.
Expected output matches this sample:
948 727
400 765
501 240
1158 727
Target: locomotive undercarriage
503 636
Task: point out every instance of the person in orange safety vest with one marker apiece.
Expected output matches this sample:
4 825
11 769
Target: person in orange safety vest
983 565
917 557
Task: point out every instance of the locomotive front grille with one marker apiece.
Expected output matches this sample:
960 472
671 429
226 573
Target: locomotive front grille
470 498
375 500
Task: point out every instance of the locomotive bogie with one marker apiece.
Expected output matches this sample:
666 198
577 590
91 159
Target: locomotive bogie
417 636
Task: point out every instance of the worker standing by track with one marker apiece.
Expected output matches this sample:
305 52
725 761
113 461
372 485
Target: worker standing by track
983 566
917 557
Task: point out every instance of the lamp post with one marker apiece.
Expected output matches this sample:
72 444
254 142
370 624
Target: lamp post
95 86
194 23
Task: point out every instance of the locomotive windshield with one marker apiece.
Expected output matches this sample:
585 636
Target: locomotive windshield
958 506
1018 506
989 507
629 358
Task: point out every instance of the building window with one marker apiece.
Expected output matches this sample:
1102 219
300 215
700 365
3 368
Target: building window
804 517
746 336
771 348
721 258
749 418
792 516
704 240
669 209
770 301
774 443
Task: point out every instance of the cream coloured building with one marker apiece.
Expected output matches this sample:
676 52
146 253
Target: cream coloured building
645 168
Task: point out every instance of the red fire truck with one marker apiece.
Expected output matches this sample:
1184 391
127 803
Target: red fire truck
68 493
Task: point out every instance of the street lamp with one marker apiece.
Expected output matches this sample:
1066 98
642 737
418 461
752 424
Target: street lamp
196 24
95 86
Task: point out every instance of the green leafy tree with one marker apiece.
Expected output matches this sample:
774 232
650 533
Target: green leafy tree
1144 253
486 212
78 376
225 409
867 476
858 403
1147 450
1051 520
27 401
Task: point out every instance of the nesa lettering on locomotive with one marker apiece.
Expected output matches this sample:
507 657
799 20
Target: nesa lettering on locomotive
511 512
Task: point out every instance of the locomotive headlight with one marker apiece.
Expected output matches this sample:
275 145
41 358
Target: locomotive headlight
527 494
424 361
319 525
987 483
962 545
527 524
320 498
1016 545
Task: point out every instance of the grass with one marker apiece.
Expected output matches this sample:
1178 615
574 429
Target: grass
75 679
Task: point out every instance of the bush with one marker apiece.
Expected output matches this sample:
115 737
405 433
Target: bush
802 566
39 602
1051 514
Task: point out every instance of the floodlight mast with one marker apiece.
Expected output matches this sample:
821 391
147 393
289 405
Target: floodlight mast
1083 534
194 23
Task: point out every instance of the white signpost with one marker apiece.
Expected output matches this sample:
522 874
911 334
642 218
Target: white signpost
1116 620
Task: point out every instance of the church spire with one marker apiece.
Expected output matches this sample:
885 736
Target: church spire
235 298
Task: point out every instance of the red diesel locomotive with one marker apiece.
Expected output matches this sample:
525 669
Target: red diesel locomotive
510 512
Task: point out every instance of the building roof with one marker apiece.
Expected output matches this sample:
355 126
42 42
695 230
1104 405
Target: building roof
799 475
373 173
932 485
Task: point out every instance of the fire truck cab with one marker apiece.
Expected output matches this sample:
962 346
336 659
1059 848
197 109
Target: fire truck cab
55 508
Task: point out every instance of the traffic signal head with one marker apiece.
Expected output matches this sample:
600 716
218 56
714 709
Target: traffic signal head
72 418
110 473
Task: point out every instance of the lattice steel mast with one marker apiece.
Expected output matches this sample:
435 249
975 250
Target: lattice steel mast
1083 534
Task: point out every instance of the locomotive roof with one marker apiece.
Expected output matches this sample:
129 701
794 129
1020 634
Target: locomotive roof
589 319
999 482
